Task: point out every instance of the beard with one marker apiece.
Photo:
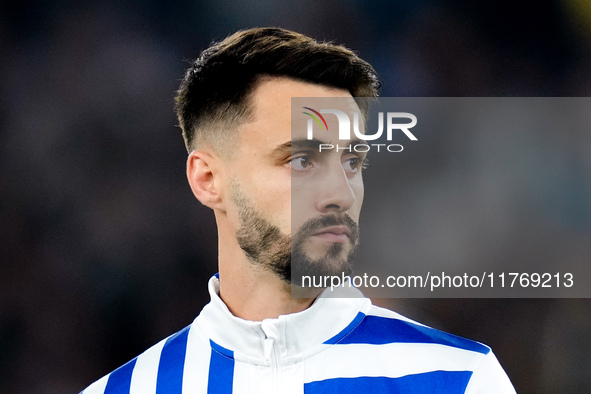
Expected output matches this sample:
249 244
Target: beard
266 246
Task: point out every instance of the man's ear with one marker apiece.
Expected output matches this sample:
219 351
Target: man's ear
203 178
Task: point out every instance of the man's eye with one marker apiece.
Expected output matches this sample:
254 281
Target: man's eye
353 164
300 163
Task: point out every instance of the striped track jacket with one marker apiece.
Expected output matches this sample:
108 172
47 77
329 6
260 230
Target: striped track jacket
338 345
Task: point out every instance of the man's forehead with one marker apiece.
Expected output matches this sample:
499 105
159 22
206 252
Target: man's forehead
272 112
273 95
329 119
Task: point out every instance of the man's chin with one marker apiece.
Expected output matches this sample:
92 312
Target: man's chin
321 250
318 269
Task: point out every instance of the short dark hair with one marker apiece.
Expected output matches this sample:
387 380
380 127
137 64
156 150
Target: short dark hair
214 93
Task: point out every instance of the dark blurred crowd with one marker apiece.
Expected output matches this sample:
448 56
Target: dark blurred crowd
104 250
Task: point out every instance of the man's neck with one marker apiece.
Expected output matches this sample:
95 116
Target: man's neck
253 293
250 291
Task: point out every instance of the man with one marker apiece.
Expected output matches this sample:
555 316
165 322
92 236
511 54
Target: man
234 107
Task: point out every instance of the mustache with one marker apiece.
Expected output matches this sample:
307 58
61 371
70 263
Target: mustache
314 225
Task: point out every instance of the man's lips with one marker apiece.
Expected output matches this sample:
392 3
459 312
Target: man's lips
339 234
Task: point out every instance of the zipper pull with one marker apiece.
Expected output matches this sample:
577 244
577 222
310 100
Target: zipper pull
268 347
271 334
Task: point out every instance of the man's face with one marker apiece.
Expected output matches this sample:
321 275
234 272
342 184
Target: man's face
280 185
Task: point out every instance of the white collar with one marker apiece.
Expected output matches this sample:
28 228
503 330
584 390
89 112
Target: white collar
297 335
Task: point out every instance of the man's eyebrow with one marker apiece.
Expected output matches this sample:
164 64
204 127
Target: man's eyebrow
302 143
299 143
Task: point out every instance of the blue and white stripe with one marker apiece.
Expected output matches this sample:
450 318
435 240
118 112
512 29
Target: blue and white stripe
375 351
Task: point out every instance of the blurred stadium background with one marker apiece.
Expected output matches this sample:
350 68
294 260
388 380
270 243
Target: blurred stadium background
103 249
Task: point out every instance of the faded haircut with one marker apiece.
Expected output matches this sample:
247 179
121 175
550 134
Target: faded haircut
213 98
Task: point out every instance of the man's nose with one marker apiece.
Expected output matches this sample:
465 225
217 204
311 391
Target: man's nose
336 194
